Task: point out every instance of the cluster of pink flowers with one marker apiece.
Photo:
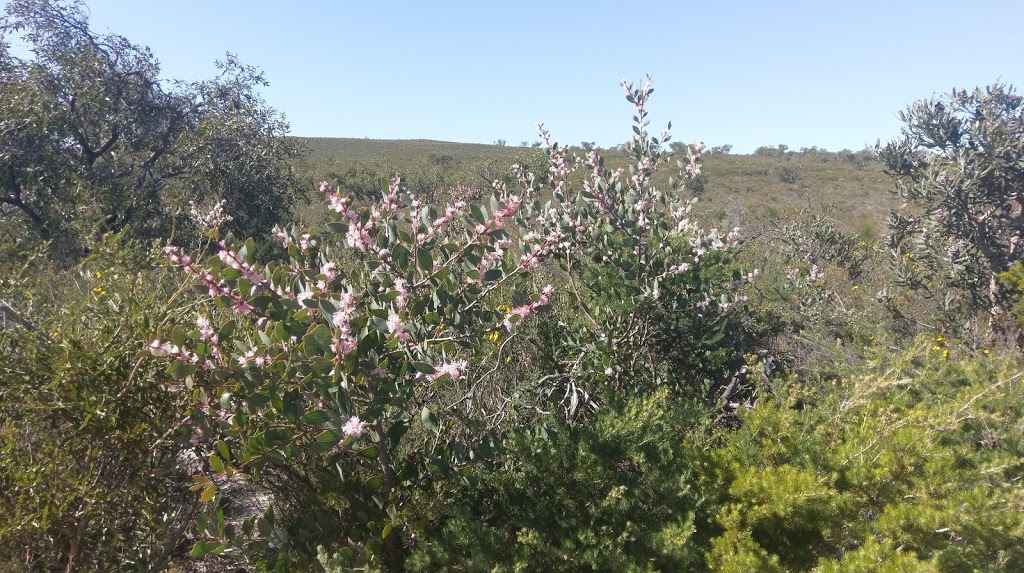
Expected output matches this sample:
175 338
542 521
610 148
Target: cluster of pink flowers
749 277
397 327
492 257
637 96
209 219
454 370
359 234
541 248
173 254
561 168
207 335
693 168
449 213
354 427
390 201
230 258
344 340
252 358
329 271
282 236
403 293
527 309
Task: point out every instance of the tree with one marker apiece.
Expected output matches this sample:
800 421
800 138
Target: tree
958 166
92 140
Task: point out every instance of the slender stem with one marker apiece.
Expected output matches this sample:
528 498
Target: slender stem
395 549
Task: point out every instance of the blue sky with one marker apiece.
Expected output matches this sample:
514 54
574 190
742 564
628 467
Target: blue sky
825 73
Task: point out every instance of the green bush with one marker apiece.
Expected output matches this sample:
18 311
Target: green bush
616 494
915 465
93 466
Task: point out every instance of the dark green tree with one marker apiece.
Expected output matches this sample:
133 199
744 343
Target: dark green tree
93 140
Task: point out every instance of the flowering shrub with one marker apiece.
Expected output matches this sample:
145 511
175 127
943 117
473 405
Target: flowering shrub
333 376
657 296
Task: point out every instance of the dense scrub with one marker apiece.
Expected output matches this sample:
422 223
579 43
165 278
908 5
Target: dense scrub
568 368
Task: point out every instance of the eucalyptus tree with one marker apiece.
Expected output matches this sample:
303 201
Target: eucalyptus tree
94 140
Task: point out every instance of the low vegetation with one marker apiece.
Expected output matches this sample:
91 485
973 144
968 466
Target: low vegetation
493 358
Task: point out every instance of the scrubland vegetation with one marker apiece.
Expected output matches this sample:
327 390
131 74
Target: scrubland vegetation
224 348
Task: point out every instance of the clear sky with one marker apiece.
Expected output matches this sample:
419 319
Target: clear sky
747 73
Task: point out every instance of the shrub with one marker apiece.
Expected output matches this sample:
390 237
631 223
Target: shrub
93 465
339 381
958 167
617 494
913 464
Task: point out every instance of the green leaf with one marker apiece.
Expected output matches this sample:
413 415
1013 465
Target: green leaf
224 450
180 370
429 420
226 330
216 463
178 337
316 418
479 215
424 260
424 368
376 482
320 336
248 250
519 298
208 492
326 441
204 548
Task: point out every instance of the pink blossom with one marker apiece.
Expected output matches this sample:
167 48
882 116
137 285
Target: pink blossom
403 294
354 427
397 327
205 330
454 370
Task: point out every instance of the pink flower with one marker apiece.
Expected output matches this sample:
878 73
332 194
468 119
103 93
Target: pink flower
353 427
403 294
454 370
205 330
397 327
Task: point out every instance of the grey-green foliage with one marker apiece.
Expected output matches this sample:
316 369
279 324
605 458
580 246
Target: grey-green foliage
92 139
960 167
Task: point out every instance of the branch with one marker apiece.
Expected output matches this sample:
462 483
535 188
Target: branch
15 200
7 313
